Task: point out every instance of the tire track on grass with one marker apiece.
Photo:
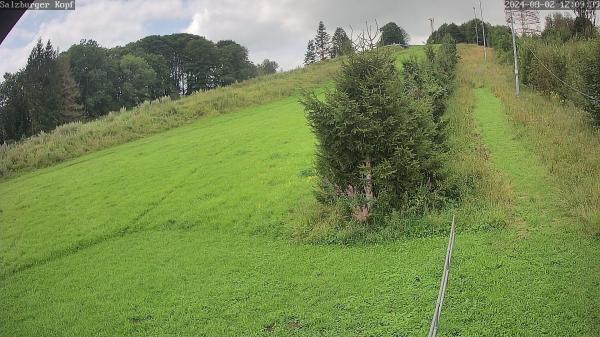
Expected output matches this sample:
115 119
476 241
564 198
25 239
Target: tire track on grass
133 228
543 283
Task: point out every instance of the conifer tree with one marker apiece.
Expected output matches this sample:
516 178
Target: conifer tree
70 99
42 91
310 57
322 42
377 146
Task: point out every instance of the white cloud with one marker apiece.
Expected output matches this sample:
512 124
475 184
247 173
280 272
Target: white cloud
110 23
269 29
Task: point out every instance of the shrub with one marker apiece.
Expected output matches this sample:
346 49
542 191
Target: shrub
525 61
591 80
420 82
570 70
447 58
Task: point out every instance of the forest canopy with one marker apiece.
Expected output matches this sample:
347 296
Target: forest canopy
87 80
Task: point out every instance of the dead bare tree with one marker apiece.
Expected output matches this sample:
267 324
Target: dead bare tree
372 37
366 39
357 41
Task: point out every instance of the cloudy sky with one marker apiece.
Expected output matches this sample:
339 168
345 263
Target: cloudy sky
274 29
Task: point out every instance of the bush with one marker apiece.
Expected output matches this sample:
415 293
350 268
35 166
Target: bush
547 69
591 80
570 70
379 146
446 59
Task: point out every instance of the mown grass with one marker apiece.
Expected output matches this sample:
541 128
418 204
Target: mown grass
177 234
182 233
538 276
75 139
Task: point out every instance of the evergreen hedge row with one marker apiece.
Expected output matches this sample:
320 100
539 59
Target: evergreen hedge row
380 133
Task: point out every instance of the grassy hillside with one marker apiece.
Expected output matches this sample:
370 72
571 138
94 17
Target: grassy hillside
179 233
183 233
75 139
561 135
168 234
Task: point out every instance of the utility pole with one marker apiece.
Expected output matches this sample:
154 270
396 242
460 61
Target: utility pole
483 27
476 32
431 24
512 25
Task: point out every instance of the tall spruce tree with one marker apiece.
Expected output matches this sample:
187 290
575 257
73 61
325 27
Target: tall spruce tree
42 89
311 56
70 99
322 42
13 106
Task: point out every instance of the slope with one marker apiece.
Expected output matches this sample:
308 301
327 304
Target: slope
178 233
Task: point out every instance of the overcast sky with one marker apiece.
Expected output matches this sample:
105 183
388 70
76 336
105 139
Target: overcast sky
274 29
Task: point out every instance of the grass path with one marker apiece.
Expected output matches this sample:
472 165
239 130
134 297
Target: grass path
539 276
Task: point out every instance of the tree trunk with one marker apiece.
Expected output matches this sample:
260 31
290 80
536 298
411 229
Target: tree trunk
369 182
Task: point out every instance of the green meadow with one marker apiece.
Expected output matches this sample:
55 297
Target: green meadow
186 231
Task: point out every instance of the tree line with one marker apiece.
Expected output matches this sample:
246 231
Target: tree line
323 46
562 60
87 81
472 32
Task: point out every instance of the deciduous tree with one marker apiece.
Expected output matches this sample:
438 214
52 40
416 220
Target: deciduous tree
391 33
267 67
137 77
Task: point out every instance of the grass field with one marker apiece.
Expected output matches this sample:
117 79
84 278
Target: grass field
180 233
178 240
539 275
184 233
